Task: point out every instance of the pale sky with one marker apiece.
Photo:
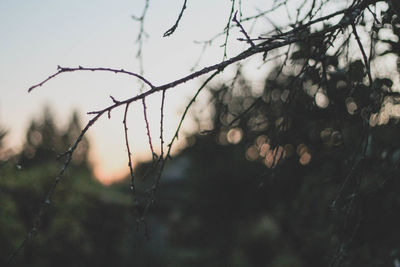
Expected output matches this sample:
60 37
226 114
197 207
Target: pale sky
39 35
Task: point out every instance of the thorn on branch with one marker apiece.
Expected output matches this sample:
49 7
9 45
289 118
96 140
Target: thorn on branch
136 18
94 112
265 55
66 153
114 100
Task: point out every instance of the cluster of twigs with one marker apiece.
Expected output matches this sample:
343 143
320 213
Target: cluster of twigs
259 45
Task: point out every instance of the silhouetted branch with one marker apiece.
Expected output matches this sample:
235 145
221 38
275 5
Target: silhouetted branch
242 30
173 28
154 155
162 124
80 68
364 55
142 32
162 161
227 29
128 149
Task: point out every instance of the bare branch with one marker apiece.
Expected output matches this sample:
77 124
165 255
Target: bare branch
242 30
80 68
162 124
227 29
174 138
365 58
154 155
173 28
128 149
140 38
271 43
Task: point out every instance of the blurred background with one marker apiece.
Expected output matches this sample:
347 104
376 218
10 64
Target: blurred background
295 179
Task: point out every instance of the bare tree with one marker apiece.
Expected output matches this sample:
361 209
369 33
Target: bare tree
328 29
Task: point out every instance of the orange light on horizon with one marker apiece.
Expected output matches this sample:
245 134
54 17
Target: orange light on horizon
107 177
111 168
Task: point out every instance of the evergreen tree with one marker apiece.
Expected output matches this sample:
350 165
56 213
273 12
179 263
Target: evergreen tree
45 141
72 132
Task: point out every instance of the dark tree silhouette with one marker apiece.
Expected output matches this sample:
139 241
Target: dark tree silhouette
45 142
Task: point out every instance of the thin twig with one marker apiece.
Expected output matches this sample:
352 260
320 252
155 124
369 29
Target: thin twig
154 155
80 68
173 28
132 176
263 13
365 58
227 29
141 37
128 149
174 138
242 30
162 124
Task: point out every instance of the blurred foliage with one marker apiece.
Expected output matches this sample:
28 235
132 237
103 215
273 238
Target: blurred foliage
87 224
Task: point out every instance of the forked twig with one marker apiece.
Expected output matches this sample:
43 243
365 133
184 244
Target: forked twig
242 30
174 138
171 30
